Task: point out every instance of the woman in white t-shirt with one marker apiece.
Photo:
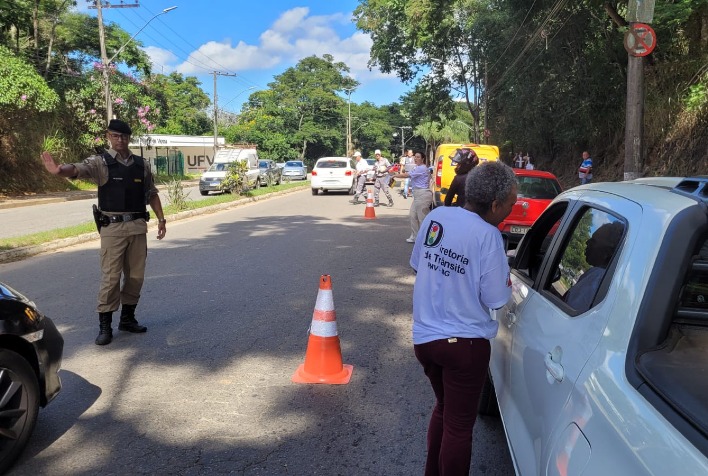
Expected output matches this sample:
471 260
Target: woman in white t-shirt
462 273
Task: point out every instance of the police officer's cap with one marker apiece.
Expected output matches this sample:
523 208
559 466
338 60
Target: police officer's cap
119 126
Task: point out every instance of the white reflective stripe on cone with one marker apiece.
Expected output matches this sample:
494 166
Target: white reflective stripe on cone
325 300
324 328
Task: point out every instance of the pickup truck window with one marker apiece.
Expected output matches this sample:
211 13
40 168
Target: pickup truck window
593 242
535 245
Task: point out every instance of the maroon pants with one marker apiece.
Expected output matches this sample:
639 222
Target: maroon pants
457 369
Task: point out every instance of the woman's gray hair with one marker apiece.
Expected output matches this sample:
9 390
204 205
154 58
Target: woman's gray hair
488 182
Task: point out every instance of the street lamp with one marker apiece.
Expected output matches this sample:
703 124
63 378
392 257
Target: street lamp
403 142
107 62
349 120
465 124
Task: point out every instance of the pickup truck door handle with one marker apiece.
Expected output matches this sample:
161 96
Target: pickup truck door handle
554 369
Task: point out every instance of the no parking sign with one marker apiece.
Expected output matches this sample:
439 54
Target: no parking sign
640 39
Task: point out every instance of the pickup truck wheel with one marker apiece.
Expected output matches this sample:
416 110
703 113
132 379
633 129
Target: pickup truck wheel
19 406
488 399
204 192
315 191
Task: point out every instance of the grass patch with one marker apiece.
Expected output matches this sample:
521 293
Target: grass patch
46 236
76 230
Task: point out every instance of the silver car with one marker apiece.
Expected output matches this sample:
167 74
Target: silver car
295 170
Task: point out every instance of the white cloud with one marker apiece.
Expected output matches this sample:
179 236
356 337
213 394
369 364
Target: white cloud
160 59
294 35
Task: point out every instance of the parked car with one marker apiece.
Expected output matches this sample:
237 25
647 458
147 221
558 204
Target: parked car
295 169
536 191
30 358
213 178
599 364
333 173
270 173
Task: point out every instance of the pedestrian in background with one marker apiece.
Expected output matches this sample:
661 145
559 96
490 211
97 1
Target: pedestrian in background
381 168
519 161
585 169
529 164
362 167
460 254
466 160
408 164
422 195
125 187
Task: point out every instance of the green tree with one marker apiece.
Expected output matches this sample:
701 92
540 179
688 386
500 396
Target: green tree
183 104
301 115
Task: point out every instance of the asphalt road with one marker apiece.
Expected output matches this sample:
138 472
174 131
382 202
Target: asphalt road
228 299
26 220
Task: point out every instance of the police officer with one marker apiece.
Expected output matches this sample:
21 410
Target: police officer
125 186
381 172
362 167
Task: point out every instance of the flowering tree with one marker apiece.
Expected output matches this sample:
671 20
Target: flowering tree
132 103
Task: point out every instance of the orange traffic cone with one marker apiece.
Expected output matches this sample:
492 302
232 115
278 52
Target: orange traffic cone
369 213
323 359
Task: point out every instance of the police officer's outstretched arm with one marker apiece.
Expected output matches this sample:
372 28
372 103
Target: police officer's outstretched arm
156 205
60 170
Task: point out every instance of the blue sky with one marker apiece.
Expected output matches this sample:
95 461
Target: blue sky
256 40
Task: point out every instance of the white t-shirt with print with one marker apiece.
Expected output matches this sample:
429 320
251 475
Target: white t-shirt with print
462 273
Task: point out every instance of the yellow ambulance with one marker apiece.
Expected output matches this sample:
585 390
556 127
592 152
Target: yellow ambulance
444 167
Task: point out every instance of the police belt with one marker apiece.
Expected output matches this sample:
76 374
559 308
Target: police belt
127 217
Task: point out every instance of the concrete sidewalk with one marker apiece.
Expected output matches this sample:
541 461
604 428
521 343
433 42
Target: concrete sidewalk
54 197
44 198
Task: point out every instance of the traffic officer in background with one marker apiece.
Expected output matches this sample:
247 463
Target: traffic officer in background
381 172
125 187
362 167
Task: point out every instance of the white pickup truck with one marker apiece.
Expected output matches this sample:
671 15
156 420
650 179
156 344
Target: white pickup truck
211 180
600 365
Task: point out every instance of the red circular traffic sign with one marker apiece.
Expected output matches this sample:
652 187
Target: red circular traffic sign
640 39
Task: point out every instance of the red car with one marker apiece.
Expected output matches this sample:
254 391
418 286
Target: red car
536 191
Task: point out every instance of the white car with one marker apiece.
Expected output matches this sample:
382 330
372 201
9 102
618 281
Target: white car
333 173
600 363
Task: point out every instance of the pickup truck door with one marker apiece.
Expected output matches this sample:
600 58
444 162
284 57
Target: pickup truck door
552 340
526 266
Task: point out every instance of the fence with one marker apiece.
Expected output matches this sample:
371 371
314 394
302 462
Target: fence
170 164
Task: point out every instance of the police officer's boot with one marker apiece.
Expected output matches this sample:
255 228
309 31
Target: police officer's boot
105 333
127 319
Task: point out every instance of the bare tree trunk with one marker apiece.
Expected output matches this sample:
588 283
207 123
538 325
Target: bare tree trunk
704 29
35 25
51 44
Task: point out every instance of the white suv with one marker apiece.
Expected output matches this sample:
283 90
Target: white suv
600 365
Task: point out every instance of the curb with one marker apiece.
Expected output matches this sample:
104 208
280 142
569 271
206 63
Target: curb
18 254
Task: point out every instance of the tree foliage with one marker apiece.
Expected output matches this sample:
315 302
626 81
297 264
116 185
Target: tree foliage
548 77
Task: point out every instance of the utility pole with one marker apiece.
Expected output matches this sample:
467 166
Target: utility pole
639 41
403 142
349 121
486 106
217 73
104 57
